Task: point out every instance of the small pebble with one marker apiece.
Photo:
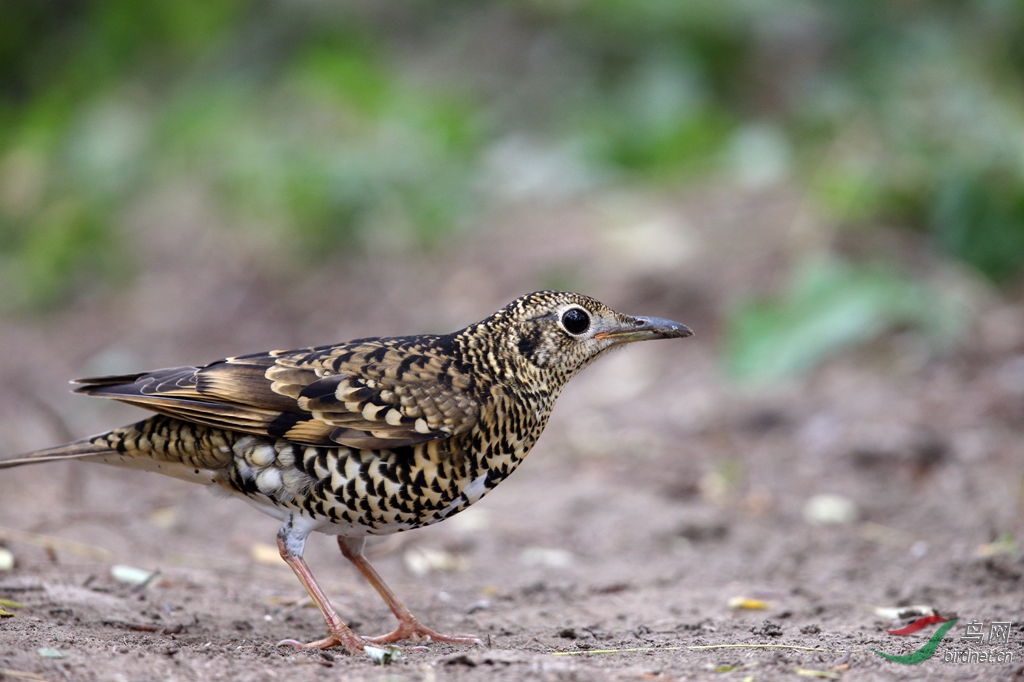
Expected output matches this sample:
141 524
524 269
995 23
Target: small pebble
827 509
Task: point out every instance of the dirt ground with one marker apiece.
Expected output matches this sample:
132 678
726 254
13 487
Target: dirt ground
659 497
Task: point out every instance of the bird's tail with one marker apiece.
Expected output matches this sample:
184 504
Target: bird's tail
160 444
86 447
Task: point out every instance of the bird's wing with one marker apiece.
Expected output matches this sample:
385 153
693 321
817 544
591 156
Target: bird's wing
369 394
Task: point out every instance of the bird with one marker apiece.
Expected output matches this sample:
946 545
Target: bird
368 437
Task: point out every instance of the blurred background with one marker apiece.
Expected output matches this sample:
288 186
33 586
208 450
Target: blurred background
803 182
864 157
830 193
184 180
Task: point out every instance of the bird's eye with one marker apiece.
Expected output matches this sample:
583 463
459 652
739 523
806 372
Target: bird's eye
576 321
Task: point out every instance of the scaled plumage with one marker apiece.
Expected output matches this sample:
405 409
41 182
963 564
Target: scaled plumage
372 436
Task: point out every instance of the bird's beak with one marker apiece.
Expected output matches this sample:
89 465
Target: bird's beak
638 328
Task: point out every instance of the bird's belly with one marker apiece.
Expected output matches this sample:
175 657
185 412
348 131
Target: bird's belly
348 492
337 517
320 524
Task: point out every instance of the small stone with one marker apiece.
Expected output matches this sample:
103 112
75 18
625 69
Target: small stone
828 509
6 559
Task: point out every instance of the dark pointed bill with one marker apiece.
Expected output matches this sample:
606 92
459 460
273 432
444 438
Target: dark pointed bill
643 328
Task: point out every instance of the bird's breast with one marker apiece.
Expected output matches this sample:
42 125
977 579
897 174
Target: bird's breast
355 491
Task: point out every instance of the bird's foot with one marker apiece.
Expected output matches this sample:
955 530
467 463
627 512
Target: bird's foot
415 631
351 642
355 645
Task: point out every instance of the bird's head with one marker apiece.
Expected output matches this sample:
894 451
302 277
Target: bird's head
555 334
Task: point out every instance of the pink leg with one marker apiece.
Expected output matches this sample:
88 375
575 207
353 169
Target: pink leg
338 632
408 626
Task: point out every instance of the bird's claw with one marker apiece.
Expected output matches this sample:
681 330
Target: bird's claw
354 647
416 632
413 632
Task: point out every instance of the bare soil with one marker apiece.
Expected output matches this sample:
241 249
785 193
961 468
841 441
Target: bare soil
659 495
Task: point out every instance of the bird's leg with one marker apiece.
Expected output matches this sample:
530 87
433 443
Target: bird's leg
290 543
408 626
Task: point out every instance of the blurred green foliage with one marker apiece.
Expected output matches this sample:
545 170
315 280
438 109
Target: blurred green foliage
827 305
334 123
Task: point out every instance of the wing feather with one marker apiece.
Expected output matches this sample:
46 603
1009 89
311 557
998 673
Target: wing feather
369 394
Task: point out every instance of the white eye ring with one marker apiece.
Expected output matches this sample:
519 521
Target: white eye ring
575 320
